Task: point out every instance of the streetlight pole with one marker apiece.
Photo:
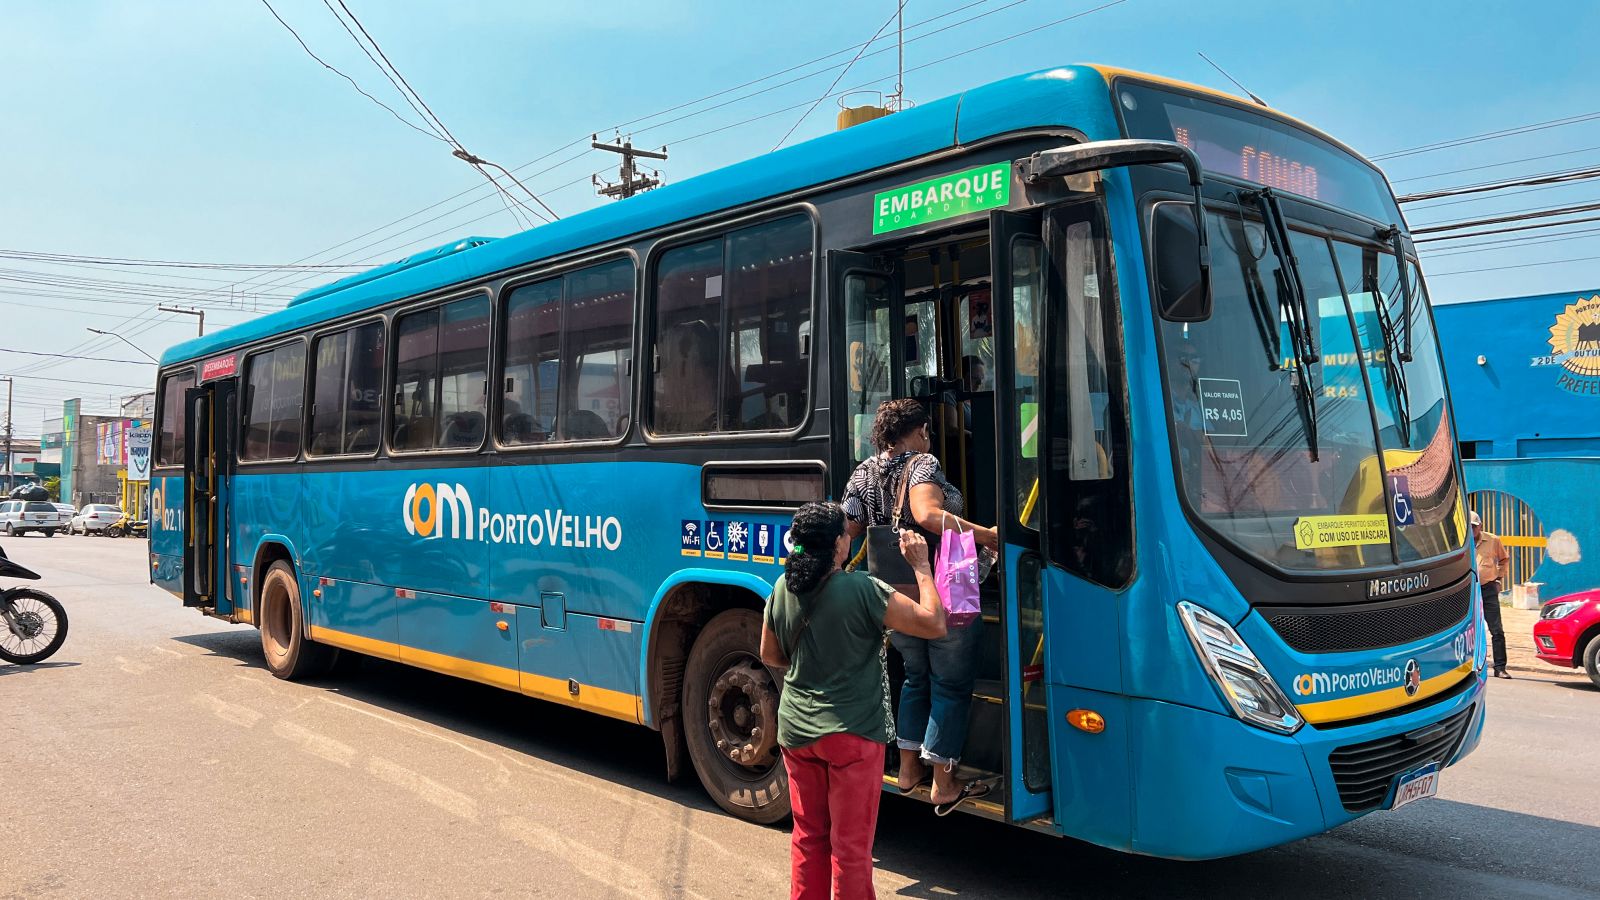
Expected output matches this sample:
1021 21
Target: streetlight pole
125 341
188 312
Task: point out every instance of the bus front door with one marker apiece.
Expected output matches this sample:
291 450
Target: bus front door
209 411
1018 269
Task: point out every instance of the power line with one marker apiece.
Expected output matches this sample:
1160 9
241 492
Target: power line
1515 217
402 120
899 5
1551 262
1509 162
71 381
1487 136
47 256
1525 240
136 362
1560 177
1473 234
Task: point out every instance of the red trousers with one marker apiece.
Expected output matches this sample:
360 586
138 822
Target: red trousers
834 786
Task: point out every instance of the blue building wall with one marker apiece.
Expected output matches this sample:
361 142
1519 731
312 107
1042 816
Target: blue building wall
1525 384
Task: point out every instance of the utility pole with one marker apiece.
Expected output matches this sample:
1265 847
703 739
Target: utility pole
188 312
632 182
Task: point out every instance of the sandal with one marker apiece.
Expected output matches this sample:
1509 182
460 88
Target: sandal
924 781
972 790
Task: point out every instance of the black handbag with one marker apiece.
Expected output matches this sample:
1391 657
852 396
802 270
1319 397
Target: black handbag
884 559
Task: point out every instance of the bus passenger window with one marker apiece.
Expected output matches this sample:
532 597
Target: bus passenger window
172 429
346 384
415 371
597 385
274 397
733 327
463 372
532 363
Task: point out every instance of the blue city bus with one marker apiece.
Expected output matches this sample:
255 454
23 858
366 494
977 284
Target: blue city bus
1175 345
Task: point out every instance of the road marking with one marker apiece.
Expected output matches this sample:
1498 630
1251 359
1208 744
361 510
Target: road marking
502 774
228 712
448 799
132 668
602 867
316 744
168 650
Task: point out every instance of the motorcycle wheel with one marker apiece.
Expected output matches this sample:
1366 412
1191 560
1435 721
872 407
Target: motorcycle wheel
114 531
44 624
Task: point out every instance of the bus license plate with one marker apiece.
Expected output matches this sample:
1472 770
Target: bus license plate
1417 784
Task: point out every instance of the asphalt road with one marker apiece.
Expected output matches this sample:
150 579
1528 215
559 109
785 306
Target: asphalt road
154 756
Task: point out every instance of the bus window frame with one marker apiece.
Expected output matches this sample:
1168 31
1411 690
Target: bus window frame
497 350
391 369
711 468
721 228
161 413
244 384
312 337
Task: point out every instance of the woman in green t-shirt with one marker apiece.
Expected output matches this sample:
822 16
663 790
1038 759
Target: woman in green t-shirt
826 627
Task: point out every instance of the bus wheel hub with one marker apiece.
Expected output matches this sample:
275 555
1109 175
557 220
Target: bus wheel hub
743 707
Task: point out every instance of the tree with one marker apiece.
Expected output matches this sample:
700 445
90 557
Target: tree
53 485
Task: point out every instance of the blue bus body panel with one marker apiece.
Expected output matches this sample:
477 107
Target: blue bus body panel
166 532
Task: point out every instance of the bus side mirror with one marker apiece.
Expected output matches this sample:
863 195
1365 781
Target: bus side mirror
1183 291
1190 300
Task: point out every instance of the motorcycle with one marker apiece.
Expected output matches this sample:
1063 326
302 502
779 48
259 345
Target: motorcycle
125 525
35 622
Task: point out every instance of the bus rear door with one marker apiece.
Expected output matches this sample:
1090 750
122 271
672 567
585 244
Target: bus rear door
210 417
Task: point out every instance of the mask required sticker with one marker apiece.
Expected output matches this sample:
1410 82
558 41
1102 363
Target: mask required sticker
1317 532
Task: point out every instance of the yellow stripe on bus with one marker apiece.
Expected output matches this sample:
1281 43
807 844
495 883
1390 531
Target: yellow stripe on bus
1381 701
616 704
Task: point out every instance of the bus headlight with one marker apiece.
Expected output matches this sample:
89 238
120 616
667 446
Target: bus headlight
1239 676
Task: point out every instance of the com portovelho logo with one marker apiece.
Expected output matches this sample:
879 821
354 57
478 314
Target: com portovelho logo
440 510
1409 676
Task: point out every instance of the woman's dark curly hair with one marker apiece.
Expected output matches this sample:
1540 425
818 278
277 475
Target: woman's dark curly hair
896 419
816 530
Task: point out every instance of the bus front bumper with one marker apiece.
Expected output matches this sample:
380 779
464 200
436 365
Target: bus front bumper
1206 785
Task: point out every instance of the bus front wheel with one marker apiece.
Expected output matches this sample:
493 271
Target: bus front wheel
290 654
730 713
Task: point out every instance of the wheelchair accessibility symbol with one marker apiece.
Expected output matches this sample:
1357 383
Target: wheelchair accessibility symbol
1400 502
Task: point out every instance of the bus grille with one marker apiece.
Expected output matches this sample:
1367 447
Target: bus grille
1345 628
1365 772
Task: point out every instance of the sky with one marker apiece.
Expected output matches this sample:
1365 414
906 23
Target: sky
201 131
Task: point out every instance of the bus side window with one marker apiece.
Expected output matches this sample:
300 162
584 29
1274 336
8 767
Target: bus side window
867 337
415 373
463 372
274 397
597 384
172 434
733 323
532 356
346 384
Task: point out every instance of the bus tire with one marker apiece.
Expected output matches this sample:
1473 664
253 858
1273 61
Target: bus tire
289 653
730 713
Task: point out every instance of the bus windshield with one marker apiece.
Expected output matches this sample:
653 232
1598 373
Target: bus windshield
1339 463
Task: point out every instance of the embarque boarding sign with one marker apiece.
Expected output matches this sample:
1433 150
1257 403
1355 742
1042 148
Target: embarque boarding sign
945 197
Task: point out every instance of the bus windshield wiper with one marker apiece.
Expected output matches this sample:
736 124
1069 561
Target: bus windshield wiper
1397 344
1294 311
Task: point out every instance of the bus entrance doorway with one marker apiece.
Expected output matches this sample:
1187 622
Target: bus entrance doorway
210 417
924 321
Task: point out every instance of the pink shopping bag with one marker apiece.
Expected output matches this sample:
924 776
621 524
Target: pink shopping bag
956 576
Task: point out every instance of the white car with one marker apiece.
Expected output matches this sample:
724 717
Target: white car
94 518
18 517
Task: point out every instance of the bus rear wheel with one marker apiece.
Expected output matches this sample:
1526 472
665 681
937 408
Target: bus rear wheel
289 653
730 713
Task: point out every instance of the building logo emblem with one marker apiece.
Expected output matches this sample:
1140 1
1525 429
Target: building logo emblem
429 508
1575 346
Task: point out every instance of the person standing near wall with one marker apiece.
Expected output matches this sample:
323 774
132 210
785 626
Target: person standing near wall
1494 571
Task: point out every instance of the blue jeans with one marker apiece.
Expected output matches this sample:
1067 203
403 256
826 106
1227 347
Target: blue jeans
937 693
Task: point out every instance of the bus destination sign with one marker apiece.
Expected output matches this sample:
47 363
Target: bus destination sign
219 367
945 197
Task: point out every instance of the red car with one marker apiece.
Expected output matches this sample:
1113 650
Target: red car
1568 633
